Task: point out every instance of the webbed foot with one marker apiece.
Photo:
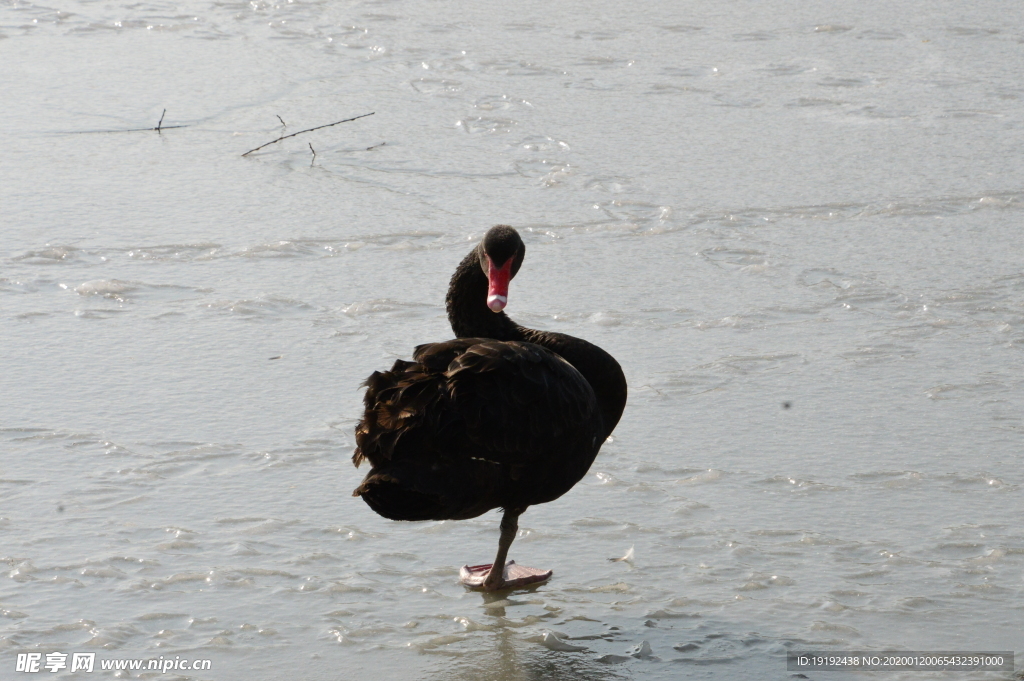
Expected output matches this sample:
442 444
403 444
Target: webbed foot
485 578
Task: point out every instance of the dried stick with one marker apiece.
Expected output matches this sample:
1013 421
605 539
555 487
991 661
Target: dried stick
159 127
314 154
283 124
310 130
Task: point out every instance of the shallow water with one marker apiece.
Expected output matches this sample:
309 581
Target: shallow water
795 225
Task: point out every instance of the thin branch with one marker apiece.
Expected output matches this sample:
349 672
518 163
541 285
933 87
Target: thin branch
304 131
282 121
159 127
375 146
314 154
107 132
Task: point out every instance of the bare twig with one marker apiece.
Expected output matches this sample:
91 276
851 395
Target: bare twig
282 121
310 130
314 154
106 132
376 145
159 128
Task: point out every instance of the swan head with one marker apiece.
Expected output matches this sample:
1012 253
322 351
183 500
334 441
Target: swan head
501 254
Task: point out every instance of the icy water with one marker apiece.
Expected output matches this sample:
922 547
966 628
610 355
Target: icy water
797 225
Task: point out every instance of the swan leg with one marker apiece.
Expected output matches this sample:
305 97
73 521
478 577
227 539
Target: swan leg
495 579
500 574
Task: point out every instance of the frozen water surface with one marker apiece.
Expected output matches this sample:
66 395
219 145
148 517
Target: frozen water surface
797 225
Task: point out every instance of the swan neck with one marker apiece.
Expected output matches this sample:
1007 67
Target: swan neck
467 305
471 318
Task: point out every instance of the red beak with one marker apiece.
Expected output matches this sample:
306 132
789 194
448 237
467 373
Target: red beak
497 284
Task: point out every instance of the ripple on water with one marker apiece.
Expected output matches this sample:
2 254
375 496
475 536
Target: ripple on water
878 354
50 255
756 36
688 507
637 216
951 391
551 641
881 34
889 479
599 522
436 86
387 308
295 249
980 481
709 476
739 257
751 364
261 307
172 252
123 291
18 285
356 534
475 125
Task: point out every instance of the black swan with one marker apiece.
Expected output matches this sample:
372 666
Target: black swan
502 416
